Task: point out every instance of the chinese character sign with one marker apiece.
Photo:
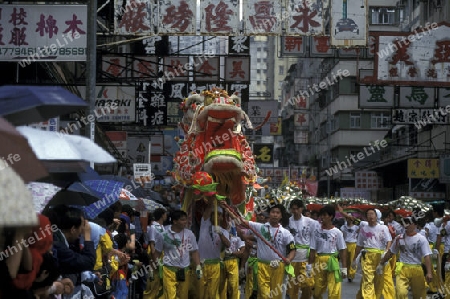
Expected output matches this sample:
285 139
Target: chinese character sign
263 153
376 96
114 66
421 57
43 33
348 23
157 112
305 17
219 17
239 45
145 67
177 17
207 69
176 68
423 168
301 120
415 96
237 69
262 17
258 110
134 18
321 46
293 45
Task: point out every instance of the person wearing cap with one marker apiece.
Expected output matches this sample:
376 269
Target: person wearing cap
213 239
373 241
412 247
301 227
350 231
327 244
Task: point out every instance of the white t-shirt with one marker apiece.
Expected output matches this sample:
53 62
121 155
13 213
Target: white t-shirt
412 248
209 240
373 236
279 237
350 233
328 240
433 231
446 239
176 247
302 230
236 243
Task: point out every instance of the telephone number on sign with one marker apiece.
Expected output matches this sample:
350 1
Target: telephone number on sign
42 52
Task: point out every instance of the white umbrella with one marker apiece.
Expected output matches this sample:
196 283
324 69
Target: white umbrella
49 145
15 199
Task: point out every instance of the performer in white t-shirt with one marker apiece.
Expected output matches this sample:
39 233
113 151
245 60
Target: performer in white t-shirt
413 247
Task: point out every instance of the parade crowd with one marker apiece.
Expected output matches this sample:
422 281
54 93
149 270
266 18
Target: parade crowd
282 254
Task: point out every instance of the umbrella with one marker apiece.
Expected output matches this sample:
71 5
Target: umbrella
29 104
56 146
135 188
107 191
127 195
18 154
42 193
71 198
16 200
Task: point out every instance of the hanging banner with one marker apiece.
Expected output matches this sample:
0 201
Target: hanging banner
418 58
135 18
262 17
177 17
348 23
219 17
32 33
305 17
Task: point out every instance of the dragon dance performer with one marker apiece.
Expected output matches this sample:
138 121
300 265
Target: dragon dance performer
328 243
271 270
350 231
409 272
301 228
373 241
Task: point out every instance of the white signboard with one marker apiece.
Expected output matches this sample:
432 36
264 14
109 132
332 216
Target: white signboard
50 125
258 110
419 117
177 17
43 33
349 23
122 99
135 18
219 17
142 169
262 17
419 58
376 96
415 96
305 17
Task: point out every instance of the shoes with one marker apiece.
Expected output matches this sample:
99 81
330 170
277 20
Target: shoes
349 280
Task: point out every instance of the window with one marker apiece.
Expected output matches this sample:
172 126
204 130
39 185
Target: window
383 15
347 85
355 120
281 70
380 120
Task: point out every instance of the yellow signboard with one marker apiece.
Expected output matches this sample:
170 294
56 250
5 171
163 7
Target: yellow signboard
423 168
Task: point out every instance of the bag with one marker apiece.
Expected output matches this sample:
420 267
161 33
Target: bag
103 286
180 274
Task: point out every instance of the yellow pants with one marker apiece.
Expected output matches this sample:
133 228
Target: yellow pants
231 279
393 262
388 286
324 280
351 247
153 287
372 284
410 276
305 285
209 283
174 289
270 281
250 285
